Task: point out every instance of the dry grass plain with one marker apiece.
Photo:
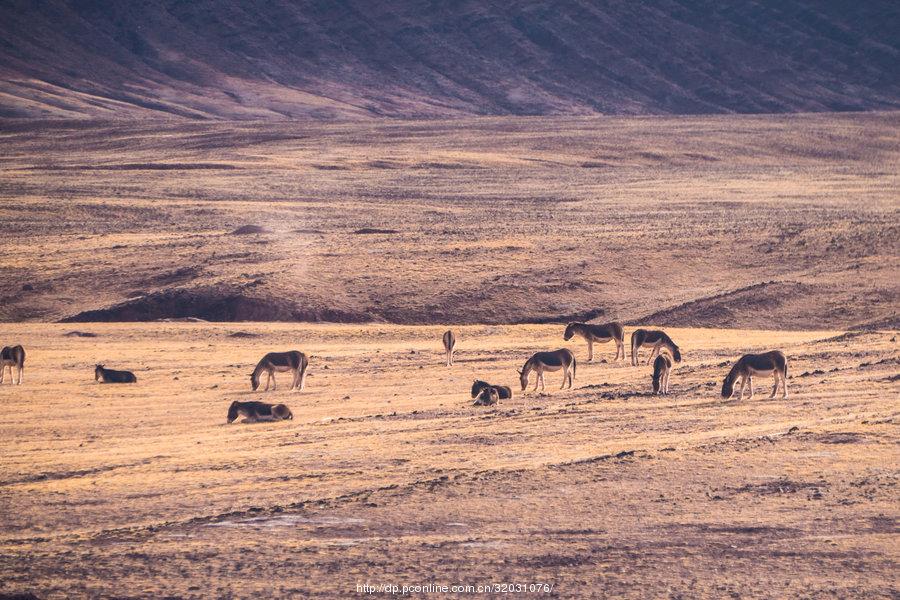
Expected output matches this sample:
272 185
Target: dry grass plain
387 474
759 222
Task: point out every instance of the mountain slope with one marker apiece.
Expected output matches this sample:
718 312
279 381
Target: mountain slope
417 58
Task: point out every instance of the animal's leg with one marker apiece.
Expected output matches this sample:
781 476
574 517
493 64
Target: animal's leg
268 379
783 385
451 356
565 378
2 371
590 351
537 380
541 375
21 371
775 388
633 354
743 383
750 379
274 381
653 352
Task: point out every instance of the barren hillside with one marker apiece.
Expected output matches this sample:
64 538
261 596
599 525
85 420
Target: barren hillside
352 58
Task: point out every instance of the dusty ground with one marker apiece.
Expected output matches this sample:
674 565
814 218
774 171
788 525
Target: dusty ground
387 475
733 221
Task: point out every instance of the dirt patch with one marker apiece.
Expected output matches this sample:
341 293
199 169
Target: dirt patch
779 486
137 167
214 303
250 230
243 334
80 334
372 231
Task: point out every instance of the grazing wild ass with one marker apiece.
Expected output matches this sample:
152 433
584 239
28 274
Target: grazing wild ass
549 361
104 375
662 366
254 412
12 356
598 333
281 361
503 392
654 339
769 363
449 346
487 397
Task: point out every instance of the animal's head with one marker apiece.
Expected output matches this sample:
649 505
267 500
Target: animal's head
233 411
676 353
477 386
523 378
254 380
487 397
728 385
98 370
570 331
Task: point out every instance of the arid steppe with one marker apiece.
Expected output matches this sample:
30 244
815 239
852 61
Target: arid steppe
388 475
762 222
185 250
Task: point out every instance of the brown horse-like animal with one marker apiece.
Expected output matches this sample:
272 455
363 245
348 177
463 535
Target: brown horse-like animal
12 356
258 411
769 363
281 361
549 361
449 346
598 333
662 367
654 339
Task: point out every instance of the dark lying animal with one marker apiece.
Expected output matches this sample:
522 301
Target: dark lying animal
488 396
12 356
769 363
104 375
503 392
258 411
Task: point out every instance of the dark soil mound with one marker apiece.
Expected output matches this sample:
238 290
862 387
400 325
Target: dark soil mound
249 230
372 230
213 304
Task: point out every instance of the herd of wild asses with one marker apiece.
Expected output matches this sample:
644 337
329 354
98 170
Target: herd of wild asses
661 346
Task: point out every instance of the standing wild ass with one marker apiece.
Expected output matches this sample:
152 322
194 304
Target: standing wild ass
449 346
654 339
291 360
598 333
768 363
12 356
549 361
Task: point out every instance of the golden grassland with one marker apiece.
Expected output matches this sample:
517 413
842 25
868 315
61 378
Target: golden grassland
765 222
388 474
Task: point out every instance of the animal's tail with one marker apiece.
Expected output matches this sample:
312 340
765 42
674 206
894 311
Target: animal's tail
785 369
573 369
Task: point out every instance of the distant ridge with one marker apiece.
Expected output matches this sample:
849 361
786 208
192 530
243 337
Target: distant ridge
274 59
